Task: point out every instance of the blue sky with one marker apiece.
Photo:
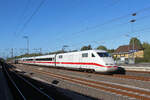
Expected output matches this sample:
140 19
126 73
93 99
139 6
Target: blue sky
71 22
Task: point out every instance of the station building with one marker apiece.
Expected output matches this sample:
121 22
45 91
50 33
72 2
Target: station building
125 53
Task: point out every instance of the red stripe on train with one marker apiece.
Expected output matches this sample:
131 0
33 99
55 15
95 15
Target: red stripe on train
75 63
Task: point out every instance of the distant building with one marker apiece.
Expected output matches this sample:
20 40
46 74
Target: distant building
126 52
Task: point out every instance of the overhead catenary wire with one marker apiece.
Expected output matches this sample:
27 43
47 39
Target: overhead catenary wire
22 16
137 30
32 15
113 3
21 19
110 21
116 19
113 20
21 26
88 28
74 34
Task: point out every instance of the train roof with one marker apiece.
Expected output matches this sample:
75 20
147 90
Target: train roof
85 51
53 55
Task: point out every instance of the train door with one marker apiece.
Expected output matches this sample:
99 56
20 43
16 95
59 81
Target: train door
55 60
80 60
84 60
70 59
92 59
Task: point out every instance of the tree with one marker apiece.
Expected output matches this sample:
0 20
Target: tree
136 42
111 50
57 52
89 47
146 47
2 60
86 48
101 47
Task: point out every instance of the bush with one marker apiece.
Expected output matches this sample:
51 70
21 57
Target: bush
139 60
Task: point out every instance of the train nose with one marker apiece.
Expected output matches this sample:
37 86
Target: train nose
112 68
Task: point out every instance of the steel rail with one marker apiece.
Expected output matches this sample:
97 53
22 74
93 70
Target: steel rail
27 82
14 84
34 86
140 78
114 88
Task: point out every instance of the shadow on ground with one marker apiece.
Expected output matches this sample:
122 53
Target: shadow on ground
56 92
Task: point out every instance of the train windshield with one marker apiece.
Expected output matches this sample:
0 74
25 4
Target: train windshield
104 54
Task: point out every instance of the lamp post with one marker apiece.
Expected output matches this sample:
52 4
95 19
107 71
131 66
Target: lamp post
128 37
132 21
27 38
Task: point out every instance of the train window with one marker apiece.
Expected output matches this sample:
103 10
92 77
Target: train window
60 56
29 59
104 54
44 59
48 59
37 59
93 55
84 54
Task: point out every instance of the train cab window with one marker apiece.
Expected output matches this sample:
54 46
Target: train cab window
84 54
93 55
60 56
104 54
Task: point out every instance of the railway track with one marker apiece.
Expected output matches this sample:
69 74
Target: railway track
140 78
122 76
132 92
23 89
138 71
132 77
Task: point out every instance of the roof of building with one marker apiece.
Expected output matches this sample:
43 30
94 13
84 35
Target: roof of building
127 48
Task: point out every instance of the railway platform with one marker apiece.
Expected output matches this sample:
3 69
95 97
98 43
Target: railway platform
5 93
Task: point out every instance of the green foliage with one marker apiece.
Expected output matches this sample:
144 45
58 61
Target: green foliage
57 52
136 42
101 47
29 55
146 58
146 47
86 48
141 60
111 50
147 53
2 60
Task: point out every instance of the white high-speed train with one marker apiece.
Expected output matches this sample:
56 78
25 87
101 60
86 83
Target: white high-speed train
91 60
